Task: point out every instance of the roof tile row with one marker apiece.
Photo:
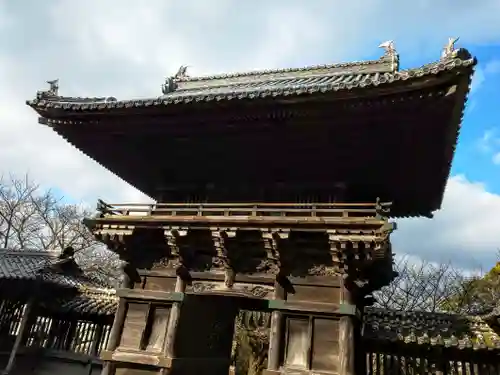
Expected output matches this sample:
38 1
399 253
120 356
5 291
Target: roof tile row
276 83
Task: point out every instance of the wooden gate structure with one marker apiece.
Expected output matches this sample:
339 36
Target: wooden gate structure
272 190
71 335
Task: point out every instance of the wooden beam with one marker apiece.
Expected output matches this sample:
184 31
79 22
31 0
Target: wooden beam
173 321
275 332
117 327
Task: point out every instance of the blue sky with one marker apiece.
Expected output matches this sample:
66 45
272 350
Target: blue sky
125 48
478 150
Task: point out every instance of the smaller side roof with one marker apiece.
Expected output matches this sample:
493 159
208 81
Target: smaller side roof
31 265
90 301
89 297
434 329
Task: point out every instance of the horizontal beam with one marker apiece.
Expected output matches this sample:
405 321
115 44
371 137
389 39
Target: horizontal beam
314 307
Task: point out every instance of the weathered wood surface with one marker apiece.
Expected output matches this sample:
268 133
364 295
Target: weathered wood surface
386 363
49 362
49 348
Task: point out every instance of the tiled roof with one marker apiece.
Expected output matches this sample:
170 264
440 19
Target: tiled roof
88 298
430 328
30 265
24 264
91 301
271 83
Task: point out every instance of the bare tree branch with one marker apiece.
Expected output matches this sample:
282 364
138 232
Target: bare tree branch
425 287
31 218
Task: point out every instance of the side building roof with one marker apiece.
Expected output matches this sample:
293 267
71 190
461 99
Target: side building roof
89 296
430 329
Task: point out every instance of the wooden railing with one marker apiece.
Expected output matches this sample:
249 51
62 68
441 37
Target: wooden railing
466 364
74 336
377 209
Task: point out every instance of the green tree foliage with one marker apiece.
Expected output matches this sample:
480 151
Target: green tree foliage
251 342
477 294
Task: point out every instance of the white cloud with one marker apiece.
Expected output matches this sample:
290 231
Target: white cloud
489 144
125 49
496 158
487 139
492 67
477 80
465 231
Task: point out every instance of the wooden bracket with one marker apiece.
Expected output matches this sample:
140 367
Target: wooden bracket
271 244
172 236
220 237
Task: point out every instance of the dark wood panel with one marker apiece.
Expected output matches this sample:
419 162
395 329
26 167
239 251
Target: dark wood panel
298 343
133 328
159 323
206 326
325 352
136 371
315 294
139 284
163 284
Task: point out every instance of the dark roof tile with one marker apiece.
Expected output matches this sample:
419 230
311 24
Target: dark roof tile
272 83
91 301
41 265
430 328
89 298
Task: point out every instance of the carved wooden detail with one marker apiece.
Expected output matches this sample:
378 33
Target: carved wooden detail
176 258
273 262
224 259
237 289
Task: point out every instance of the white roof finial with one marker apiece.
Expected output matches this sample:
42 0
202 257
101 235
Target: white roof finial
449 50
389 48
182 72
390 52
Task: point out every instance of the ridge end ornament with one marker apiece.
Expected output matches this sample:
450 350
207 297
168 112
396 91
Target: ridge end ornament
391 53
389 48
449 50
51 92
53 87
168 86
181 73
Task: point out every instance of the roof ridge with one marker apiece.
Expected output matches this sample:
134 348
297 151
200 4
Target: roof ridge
97 290
258 84
263 72
30 252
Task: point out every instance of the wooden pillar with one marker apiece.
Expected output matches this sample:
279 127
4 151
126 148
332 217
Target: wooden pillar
173 321
274 341
346 346
347 334
24 328
116 328
275 334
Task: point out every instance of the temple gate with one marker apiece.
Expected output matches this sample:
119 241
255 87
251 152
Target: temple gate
273 193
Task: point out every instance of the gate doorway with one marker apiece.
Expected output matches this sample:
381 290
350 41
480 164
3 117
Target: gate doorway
208 330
